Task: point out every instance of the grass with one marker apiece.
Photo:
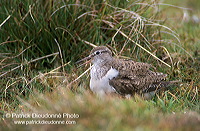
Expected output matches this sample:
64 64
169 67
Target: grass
41 40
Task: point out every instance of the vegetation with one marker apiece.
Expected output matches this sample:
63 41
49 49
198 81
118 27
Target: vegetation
40 41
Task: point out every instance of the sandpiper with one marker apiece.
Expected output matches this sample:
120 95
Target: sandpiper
124 77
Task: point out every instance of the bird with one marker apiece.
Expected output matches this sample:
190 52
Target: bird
125 77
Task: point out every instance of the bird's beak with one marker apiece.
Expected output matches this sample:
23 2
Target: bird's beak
87 59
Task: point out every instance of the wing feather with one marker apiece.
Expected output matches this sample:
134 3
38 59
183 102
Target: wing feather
134 77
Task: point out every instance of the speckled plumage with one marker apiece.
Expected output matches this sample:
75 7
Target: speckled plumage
132 77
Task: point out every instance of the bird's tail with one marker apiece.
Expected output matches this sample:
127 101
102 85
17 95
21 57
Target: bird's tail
160 85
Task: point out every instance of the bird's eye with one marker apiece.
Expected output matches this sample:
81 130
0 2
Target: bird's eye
97 52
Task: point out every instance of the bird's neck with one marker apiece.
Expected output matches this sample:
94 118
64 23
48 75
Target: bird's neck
99 69
101 62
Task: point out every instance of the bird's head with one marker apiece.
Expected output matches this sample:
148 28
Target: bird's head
98 55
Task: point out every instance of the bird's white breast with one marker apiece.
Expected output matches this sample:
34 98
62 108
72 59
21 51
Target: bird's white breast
100 85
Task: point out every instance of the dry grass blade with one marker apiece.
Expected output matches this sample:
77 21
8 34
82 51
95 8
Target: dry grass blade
16 55
170 5
67 32
51 72
60 52
28 63
29 11
5 21
79 76
66 6
8 42
122 33
93 45
165 49
20 79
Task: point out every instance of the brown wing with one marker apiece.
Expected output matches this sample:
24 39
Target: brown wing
134 77
130 68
